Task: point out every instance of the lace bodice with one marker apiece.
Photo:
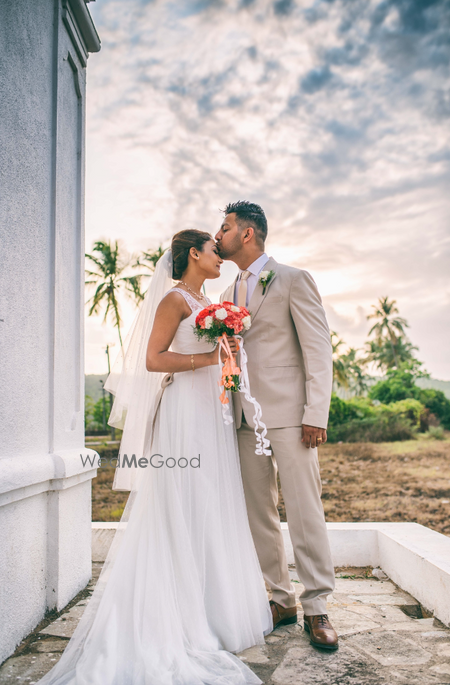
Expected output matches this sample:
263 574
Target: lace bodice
192 302
185 340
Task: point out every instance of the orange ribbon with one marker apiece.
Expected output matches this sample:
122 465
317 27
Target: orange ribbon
229 369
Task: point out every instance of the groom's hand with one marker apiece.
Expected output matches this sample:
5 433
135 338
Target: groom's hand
312 436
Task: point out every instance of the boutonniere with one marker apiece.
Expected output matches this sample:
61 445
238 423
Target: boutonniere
264 278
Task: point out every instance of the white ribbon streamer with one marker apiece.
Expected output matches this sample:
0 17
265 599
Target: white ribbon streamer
262 444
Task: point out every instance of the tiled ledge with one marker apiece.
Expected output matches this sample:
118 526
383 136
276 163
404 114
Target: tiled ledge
381 641
416 558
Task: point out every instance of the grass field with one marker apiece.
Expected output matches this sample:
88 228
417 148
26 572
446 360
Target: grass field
397 481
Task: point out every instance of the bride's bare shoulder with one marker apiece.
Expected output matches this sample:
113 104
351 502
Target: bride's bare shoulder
174 303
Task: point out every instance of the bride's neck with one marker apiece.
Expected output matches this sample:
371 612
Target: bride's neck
193 280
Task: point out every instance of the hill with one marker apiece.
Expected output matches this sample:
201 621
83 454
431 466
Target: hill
435 384
93 387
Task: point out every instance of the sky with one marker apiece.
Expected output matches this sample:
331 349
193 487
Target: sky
332 114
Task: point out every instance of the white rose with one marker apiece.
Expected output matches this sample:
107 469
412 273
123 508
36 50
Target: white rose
247 322
208 321
221 314
234 308
263 275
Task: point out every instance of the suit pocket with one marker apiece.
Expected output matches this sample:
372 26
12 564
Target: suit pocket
285 386
280 365
273 298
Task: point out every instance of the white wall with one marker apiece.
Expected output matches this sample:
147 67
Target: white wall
45 494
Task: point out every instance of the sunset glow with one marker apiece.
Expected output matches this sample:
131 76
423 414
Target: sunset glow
334 116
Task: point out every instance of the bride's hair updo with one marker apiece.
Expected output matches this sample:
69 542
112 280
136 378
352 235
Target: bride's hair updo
181 244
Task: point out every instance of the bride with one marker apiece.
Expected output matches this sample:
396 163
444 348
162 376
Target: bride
181 589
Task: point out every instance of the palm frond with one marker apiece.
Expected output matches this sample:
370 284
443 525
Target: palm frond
133 286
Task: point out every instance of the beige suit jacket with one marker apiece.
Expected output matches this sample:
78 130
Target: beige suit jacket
289 351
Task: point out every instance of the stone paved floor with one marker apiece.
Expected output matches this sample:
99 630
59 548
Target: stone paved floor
385 639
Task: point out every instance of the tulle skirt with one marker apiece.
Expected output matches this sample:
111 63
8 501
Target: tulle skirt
185 589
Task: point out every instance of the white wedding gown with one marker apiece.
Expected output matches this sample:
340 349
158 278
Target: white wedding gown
185 589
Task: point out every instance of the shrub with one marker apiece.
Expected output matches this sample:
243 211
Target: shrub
361 420
386 427
342 411
398 386
98 412
410 409
436 433
437 403
93 416
91 422
362 407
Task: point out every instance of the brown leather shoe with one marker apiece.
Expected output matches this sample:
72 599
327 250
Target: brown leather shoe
282 616
321 632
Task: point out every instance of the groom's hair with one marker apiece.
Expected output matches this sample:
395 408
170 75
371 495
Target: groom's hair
249 214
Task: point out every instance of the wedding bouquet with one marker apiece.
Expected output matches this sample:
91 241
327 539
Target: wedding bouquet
215 323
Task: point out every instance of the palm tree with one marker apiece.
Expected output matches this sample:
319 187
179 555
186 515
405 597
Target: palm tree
110 281
388 326
340 371
148 260
390 355
354 369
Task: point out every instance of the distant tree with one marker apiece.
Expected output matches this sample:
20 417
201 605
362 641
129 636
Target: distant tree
93 414
150 259
348 371
340 371
110 263
387 323
98 412
388 326
88 410
354 371
391 355
147 260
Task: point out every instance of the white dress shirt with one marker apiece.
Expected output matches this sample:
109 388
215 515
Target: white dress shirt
255 269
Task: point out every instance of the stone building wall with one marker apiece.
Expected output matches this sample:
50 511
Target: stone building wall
45 493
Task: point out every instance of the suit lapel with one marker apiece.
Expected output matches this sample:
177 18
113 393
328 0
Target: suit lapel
257 297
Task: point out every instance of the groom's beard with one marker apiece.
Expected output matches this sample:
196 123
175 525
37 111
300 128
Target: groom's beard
222 253
234 247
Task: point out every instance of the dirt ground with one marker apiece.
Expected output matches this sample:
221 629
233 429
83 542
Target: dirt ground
396 481
400 481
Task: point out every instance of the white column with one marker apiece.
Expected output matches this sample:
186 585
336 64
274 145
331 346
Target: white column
45 491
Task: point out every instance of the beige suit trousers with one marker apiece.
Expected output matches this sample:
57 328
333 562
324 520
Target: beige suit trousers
298 467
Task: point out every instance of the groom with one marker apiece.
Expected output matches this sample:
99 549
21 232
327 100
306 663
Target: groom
290 371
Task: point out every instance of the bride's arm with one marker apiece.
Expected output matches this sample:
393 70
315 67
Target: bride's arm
171 311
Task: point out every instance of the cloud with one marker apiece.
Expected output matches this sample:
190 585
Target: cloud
316 79
331 114
283 7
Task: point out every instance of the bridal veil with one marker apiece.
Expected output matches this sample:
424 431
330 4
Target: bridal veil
136 395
